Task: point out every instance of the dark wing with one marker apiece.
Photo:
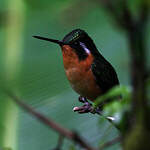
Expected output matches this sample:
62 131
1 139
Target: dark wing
104 73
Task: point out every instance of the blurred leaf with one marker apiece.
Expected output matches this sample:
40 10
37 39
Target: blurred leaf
113 93
148 81
70 19
5 148
46 5
72 147
117 109
136 5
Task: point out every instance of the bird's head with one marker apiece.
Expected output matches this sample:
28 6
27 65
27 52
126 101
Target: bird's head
78 40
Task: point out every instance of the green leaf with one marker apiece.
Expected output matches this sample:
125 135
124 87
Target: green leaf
116 109
113 93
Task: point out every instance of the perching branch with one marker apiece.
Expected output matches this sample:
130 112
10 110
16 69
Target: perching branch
71 135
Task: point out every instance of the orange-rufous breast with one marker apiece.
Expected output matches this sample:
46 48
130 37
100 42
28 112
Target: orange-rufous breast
79 73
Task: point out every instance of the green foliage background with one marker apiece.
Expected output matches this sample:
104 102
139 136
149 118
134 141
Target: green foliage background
34 69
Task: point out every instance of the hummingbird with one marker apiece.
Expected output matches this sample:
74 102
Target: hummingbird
88 72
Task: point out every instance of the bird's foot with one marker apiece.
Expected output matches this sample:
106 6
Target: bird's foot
86 108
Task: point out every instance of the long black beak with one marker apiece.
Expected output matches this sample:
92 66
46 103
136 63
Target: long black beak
50 40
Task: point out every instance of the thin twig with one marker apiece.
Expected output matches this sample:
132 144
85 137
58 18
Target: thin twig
110 143
59 143
71 135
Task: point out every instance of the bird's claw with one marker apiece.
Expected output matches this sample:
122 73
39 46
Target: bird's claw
86 108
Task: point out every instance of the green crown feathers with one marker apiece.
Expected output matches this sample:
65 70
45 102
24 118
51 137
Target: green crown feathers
74 35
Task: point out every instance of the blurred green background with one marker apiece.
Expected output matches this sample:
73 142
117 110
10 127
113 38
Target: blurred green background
34 70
